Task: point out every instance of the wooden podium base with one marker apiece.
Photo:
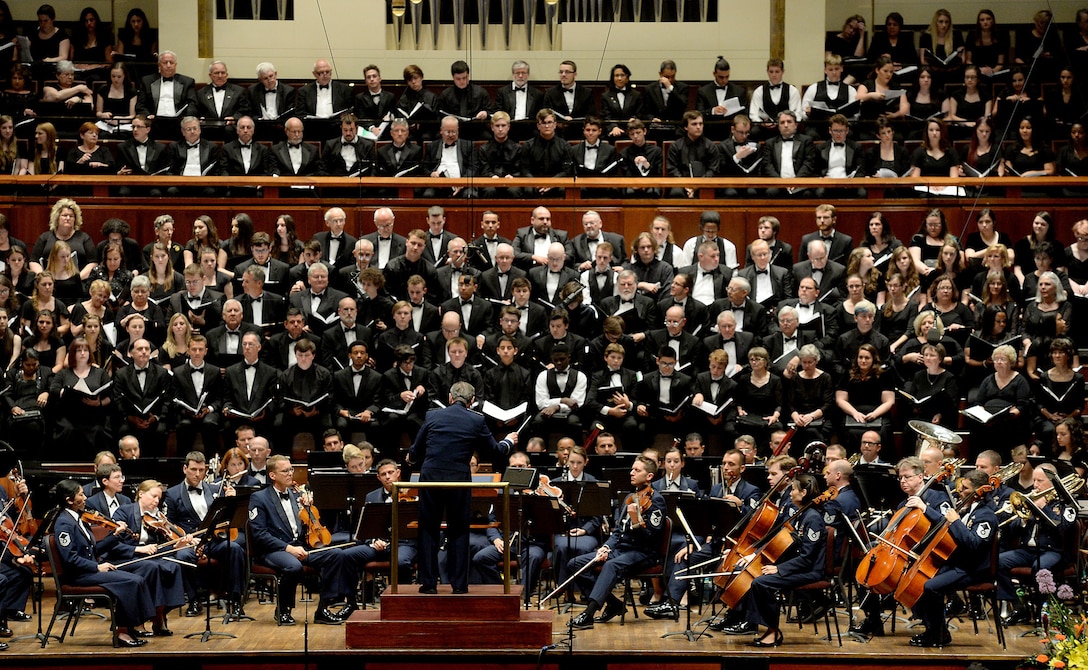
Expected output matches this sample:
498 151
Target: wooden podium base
485 618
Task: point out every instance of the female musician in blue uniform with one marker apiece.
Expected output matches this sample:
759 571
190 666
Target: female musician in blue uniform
79 555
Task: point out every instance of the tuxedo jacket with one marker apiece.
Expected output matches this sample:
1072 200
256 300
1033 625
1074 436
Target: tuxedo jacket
583 106
306 98
429 256
344 254
276 351
277 277
481 319
648 390
468 101
731 168
481 244
506 101
466 159
179 507
147 101
235 102
805 157
838 251
538 277
776 346
393 385
781 283
722 275
281 161
128 398
831 283
706 98
612 111
332 159
576 345
185 390
643 317
741 340
755 316
258 101
212 309
368 110
345 397
536 322
596 400
694 311
231 164
329 303
692 353
388 164
334 345
431 318
397 246
217 344
525 242
656 107
444 289
273 309
831 324
522 360
855 158
209 157
650 151
606 156
157 157
490 286
435 342
726 389
781 255
266 387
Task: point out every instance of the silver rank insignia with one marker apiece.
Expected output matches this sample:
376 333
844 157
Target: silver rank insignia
813 535
983 530
65 539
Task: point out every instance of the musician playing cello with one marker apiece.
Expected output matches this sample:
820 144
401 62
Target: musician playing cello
974 534
635 544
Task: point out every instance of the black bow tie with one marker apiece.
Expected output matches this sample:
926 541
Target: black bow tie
774 87
317 296
270 91
553 272
294 146
434 237
628 301
789 339
346 143
217 89
449 146
787 139
569 90
762 272
840 145
247 146
417 305
466 303
358 373
250 366
522 307
503 274
194 146
285 496
829 240
200 370
257 299
167 80
722 88
603 274
142 144
195 489
385 239
322 87
727 340
593 146
519 89
540 236
141 371
338 238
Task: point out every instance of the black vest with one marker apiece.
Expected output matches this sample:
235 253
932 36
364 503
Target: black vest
553 384
842 99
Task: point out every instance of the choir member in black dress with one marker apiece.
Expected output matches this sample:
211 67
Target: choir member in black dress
936 388
759 397
894 43
1030 157
89 157
887 158
1061 390
866 397
1050 296
936 157
969 104
1006 389
1073 158
809 395
24 399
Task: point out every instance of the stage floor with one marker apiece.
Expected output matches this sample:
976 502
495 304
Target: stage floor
637 644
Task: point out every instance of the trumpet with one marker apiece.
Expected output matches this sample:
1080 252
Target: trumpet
1024 507
1007 472
854 459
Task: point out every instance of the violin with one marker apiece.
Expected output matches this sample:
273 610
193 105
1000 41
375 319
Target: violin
157 520
94 518
643 497
13 543
27 524
317 536
545 488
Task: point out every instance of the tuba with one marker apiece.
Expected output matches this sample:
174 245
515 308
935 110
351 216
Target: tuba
932 435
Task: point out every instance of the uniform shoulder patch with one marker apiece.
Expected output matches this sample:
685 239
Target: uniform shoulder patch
829 518
253 514
1070 514
656 517
812 535
65 539
983 530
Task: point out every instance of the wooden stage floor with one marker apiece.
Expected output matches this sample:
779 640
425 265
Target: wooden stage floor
636 645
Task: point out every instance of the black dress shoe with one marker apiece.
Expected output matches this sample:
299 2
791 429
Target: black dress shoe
646 594
118 642
346 611
869 627
194 609
3 646
583 621
327 617
955 608
141 633
742 628
730 619
666 609
284 619
612 609
429 590
776 642
1015 617
17 616
162 632
931 640
235 609
461 591
5 631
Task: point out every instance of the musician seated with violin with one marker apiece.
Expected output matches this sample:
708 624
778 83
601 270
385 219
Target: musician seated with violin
972 530
143 552
79 553
1042 522
801 563
388 474
583 532
16 560
633 546
109 498
187 504
279 539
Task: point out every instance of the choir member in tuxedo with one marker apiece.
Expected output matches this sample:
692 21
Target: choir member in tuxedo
599 280
375 102
711 98
519 101
252 389
788 338
781 252
712 389
348 155
830 276
259 451
477 317
187 504
585 320
841 158
401 333
411 263
531 243
453 269
140 394
620 102
79 554
465 99
640 160
659 396
399 155
733 342
691 155
269 98
506 384
336 342
336 245
740 156
278 541
695 312
612 333
403 390
454 370
450 327
751 316
140 155
276 272
318 303
837 244
582 249
260 308
109 497
225 340
323 97
771 284
387 244
293 156
610 396
438 238
199 385
652 274
560 396
509 320
560 336
306 389
666 99
243 156
194 156
167 93
595 158
485 248
347 279
355 392
449 157
772 97
533 319
201 305
497 283
691 355
550 279
426 316
710 279
221 100
639 312
814 318
279 350
789 155
567 98
499 158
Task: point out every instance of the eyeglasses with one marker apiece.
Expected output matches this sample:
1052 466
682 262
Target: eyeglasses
906 477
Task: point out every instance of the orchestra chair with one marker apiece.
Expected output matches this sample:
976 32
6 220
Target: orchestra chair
374 569
825 587
988 590
260 573
1064 572
70 598
656 570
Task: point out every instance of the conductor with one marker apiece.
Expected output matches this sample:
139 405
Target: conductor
444 445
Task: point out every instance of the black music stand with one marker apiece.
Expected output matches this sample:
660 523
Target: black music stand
44 528
756 475
586 499
342 491
705 517
878 486
225 513
537 515
163 469
699 468
619 482
376 521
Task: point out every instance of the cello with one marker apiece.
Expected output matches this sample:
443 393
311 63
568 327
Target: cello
882 566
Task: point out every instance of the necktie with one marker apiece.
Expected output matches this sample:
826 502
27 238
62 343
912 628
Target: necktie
195 489
285 496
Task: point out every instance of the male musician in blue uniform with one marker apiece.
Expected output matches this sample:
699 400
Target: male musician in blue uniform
388 473
974 534
15 575
278 535
635 544
444 446
187 505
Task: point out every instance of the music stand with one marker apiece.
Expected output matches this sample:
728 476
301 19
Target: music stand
878 486
538 515
225 513
599 464
342 491
699 468
588 499
376 521
756 475
619 482
704 518
44 528
324 460
138 470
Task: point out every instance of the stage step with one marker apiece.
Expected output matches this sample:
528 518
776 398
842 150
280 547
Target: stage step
410 620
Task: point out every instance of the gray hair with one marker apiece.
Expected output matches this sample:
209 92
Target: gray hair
65 66
517 64
140 281
214 63
162 54
316 267
809 351
463 392
741 283
265 68
1059 290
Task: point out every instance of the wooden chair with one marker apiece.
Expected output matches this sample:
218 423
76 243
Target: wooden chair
988 589
656 570
71 597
